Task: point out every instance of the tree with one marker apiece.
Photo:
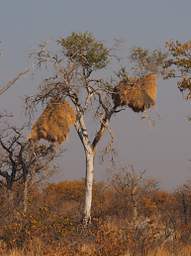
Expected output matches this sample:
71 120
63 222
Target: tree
76 76
134 188
19 160
178 64
183 206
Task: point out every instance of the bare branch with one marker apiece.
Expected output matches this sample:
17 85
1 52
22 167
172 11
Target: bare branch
103 127
11 82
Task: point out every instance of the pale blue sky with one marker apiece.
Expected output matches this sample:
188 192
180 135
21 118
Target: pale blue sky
163 151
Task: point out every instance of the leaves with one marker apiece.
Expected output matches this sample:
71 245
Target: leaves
178 64
85 50
146 61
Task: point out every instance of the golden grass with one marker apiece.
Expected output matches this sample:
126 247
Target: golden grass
52 225
89 249
54 123
185 251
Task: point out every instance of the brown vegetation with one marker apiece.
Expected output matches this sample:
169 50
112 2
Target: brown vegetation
52 224
54 123
139 94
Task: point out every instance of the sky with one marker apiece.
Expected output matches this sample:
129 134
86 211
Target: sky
163 150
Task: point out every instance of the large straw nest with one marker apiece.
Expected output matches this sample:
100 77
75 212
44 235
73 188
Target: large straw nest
54 123
139 94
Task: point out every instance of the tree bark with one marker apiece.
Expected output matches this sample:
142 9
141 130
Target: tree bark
90 151
135 212
89 155
88 186
134 203
25 196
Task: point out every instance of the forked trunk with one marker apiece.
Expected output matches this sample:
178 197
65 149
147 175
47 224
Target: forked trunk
90 151
88 186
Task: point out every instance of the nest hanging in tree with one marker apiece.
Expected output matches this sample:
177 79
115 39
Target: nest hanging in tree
54 123
139 94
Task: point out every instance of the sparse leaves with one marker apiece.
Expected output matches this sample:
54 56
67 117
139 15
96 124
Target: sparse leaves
178 64
146 61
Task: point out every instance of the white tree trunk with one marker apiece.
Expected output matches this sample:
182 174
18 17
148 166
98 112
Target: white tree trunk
89 154
90 151
88 186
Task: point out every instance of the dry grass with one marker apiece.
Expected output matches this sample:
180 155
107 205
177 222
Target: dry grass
138 94
88 249
185 251
52 226
54 123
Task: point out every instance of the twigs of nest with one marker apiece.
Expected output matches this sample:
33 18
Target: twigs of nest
54 123
138 94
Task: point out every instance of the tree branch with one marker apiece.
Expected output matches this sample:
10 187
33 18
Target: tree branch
11 82
103 127
82 132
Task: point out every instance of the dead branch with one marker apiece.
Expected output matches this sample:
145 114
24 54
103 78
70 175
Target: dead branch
11 82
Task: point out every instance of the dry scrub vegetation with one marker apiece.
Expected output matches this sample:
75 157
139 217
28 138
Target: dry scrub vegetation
131 216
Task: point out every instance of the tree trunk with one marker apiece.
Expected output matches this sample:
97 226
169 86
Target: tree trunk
135 212
10 200
25 196
88 186
90 151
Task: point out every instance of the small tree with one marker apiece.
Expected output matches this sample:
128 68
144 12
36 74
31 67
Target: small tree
76 76
183 196
133 187
20 161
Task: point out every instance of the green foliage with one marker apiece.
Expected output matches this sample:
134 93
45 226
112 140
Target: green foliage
84 49
147 61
